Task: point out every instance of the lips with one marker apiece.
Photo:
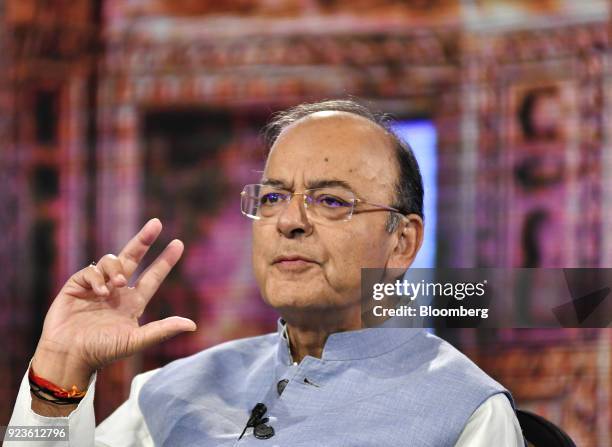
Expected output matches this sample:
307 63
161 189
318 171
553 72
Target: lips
291 258
294 263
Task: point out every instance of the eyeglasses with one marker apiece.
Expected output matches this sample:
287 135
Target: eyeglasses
331 203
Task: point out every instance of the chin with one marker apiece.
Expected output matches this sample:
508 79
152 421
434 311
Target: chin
296 295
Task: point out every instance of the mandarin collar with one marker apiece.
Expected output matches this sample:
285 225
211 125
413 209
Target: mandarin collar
352 345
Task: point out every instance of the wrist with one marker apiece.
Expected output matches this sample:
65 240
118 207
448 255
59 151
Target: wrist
50 410
61 369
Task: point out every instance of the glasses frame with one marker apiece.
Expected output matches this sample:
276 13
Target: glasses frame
308 199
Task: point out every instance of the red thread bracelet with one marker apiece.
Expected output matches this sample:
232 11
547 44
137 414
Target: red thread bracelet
54 390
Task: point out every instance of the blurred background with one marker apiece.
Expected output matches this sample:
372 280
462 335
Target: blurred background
115 111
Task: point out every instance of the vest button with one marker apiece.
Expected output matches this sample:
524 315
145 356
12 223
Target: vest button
280 386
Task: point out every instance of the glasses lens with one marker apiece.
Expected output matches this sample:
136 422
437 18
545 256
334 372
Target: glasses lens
332 203
249 202
270 200
261 201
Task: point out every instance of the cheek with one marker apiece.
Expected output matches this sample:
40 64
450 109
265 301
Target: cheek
351 251
261 243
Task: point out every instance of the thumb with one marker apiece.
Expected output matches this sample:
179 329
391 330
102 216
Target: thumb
158 331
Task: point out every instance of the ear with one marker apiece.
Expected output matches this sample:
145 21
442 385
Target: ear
409 238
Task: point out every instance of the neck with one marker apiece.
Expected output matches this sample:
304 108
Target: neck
308 334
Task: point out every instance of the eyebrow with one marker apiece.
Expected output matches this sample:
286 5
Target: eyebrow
320 183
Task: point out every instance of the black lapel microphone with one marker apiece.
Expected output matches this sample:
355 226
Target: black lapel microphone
258 422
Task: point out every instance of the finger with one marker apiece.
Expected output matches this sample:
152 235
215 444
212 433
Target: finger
157 331
148 282
110 266
137 247
91 278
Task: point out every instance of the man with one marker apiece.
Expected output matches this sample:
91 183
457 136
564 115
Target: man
339 193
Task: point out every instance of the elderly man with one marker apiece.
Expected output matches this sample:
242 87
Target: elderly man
339 193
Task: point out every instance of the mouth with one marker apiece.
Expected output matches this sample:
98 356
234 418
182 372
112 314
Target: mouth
293 263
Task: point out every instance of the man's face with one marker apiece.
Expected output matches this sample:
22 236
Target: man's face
325 146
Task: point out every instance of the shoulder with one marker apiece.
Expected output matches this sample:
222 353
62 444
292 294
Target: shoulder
232 355
451 362
479 407
442 371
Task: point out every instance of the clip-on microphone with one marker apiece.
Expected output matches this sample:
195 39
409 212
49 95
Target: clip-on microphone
260 429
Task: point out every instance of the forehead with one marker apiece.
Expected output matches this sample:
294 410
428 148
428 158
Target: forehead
334 146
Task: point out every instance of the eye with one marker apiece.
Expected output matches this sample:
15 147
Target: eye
271 198
330 201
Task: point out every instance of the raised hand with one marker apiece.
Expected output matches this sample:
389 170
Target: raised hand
94 318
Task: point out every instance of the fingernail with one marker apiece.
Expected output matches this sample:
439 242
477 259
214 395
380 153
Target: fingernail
104 290
121 278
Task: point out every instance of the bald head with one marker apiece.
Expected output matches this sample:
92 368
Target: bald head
408 184
338 145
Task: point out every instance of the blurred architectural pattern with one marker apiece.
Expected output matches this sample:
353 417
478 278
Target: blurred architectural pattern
119 110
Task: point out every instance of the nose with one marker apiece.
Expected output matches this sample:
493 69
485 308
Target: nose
293 221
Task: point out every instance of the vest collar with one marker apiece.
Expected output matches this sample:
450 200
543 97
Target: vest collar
352 345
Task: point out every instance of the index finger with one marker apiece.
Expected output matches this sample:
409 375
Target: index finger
137 247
